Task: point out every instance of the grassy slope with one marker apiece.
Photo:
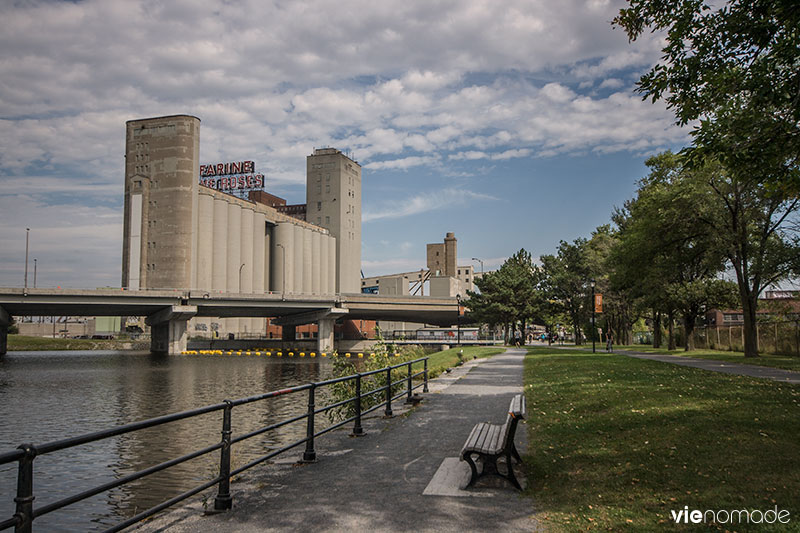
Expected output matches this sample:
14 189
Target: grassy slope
438 362
775 361
24 343
616 443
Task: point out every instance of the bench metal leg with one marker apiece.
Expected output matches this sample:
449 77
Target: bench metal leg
510 472
468 458
515 453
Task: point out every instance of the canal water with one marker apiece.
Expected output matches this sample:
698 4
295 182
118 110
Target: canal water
47 396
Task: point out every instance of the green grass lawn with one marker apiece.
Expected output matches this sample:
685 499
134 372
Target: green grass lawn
438 362
616 443
775 361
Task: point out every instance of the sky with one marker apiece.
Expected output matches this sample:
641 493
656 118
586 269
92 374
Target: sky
513 124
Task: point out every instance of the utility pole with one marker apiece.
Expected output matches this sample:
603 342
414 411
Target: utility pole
27 239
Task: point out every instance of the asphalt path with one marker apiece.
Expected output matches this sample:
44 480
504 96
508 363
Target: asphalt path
403 475
763 372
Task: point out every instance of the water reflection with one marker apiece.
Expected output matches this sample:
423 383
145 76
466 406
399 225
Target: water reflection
51 395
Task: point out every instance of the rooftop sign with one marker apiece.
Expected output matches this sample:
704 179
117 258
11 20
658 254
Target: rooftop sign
236 176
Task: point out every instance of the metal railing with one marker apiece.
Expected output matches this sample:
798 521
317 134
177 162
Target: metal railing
25 454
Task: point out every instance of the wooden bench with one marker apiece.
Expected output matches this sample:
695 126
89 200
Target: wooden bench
490 442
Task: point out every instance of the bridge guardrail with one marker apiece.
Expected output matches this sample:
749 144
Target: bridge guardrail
25 454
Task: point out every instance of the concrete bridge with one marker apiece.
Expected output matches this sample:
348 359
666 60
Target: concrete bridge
168 311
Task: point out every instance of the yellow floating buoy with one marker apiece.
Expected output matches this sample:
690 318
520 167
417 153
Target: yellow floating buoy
347 354
323 354
280 354
360 355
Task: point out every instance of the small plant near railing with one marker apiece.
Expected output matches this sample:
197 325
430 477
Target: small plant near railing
380 357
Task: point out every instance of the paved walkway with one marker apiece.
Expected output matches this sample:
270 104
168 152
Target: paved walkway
765 372
404 475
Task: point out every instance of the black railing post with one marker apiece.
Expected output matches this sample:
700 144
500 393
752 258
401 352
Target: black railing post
224 501
24 499
425 373
357 429
388 411
408 397
309 456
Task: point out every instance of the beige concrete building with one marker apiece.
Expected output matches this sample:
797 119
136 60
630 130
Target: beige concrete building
180 234
442 257
333 202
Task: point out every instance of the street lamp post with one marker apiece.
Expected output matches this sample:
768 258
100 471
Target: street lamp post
479 261
458 319
240 278
594 328
27 239
34 272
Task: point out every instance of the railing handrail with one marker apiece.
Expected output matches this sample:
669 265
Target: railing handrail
25 454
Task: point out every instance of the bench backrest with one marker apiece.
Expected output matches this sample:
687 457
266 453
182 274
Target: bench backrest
516 412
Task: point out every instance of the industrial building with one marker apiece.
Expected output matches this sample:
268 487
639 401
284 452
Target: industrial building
184 229
442 277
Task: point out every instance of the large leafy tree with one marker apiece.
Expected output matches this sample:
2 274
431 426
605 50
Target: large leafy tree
509 295
688 223
666 255
735 67
566 280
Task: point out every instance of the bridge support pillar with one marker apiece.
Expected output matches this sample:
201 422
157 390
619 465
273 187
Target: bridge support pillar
288 333
168 329
5 321
325 335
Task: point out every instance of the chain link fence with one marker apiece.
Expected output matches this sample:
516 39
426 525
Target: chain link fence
779 338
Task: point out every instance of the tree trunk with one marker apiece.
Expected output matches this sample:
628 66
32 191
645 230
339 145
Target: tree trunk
749 306
656 329
671 330
688 330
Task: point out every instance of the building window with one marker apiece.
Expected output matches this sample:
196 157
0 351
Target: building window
328 188
327 220
319 206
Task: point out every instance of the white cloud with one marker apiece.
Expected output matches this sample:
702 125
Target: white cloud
425 202
410 85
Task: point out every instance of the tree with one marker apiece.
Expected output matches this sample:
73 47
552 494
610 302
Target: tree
757 232
736 68
666 256
507 296
566 279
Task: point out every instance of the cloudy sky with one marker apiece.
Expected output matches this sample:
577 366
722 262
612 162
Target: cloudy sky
511 123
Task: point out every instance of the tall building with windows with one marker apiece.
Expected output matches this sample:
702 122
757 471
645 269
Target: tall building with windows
333 202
